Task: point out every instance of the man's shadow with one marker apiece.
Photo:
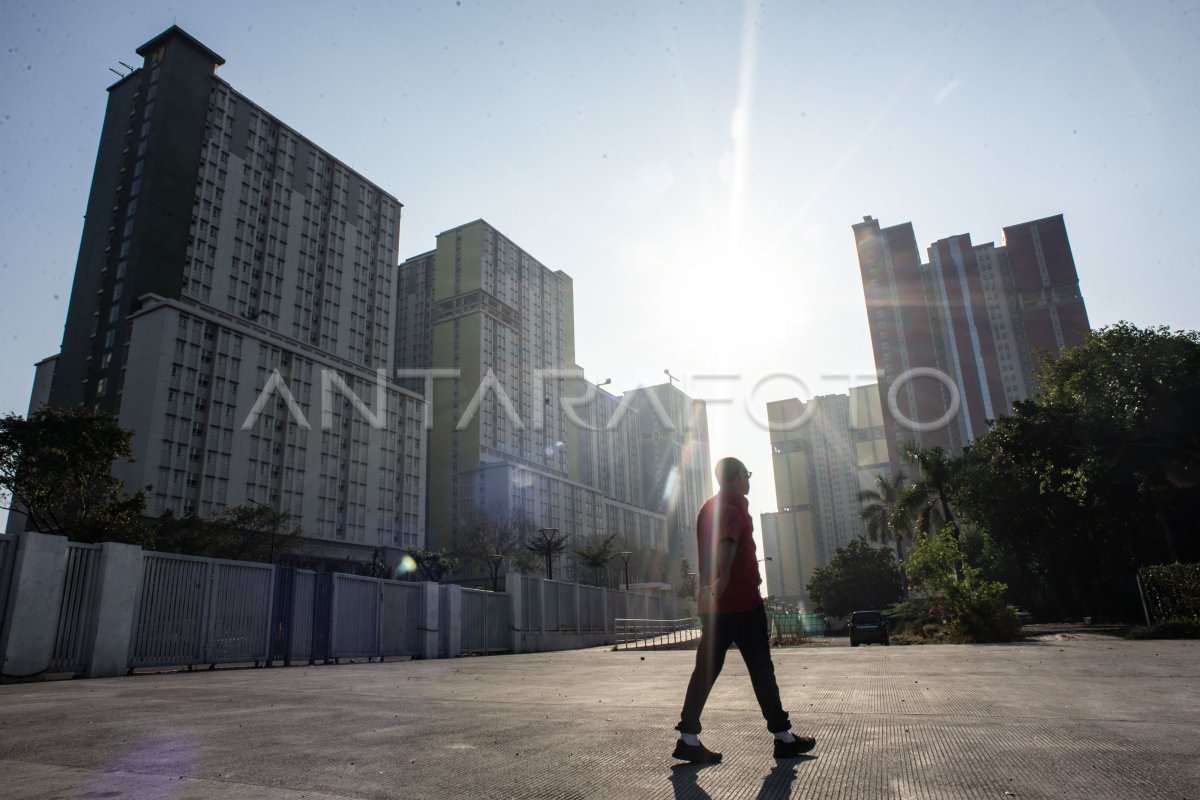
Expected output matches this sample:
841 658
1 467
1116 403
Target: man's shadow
683 781
777 784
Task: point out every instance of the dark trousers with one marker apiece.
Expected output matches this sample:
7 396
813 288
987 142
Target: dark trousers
749 631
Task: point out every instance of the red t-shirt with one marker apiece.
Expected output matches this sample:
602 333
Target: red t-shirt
726 516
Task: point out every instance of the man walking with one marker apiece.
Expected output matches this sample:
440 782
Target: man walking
731 612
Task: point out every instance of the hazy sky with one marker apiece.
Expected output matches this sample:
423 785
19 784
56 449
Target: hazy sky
695 167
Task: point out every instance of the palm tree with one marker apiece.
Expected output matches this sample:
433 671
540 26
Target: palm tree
887 511
931 492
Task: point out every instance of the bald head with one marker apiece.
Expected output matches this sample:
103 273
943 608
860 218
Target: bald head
731 473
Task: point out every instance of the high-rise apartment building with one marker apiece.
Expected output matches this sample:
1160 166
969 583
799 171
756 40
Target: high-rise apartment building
823 453
232 305
516 429
676 464
957 338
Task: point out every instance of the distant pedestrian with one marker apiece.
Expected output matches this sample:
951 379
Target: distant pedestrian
731 612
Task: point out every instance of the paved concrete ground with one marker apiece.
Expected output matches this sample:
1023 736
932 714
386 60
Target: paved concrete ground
1068 718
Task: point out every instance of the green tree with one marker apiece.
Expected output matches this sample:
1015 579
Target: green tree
434 564
975 607
1098 472
686 585
595 554
547 543
1139 391
242 533
887 511
858 577
491 541
56 469
930 495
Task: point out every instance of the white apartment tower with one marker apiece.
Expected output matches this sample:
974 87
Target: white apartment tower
233 304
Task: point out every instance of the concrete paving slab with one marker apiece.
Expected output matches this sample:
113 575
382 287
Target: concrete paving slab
1096 718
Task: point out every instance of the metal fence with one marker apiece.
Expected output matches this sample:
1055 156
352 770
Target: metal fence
531 600
655 633
486 618
77 612
591 609
190 610
301 621
201 611
8 555
403 610
565 597
355 616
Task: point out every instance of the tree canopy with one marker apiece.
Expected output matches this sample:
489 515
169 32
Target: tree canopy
594 555
1098 472
244 533
547 543
859 577
56 469
888 511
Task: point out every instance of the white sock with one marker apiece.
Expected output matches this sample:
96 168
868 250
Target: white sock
785 736
690 739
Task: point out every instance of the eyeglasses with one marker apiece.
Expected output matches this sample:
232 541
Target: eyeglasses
748 473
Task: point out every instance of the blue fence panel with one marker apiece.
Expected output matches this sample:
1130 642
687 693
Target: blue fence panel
169 624
402 613
303 587
239 627
355 617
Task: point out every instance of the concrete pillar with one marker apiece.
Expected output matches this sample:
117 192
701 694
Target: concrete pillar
451 600
514 586
117 587
34 601
429 620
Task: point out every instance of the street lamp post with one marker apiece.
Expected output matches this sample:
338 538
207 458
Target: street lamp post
625 554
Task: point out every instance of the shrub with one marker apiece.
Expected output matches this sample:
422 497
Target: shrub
1172 591
1168 629
909 615
974 608
986 618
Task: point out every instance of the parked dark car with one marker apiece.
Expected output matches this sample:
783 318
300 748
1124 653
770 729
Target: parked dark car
1024 616
867 626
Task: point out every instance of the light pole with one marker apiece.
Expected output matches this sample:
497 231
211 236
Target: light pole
625 554
274 524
